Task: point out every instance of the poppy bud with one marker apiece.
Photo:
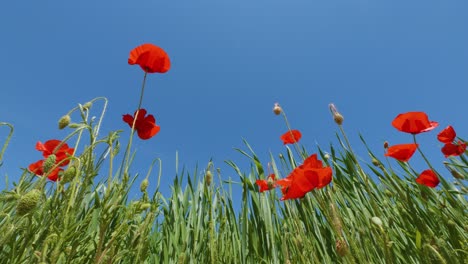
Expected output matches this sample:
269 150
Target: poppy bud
376 221
327 156
145 206
64 121
341 247
75 125
271 183
87 106
28 202
69 174
455 173
144 185
208 176
49 162
336 115
385 145
277 109
375 162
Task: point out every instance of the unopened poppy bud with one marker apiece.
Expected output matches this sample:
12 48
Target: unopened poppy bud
28 202
49 162
69 174
144 185
376 221
388 193
375 162
208 177
74 125
277 109
341 247
385 145
64 121
87 106
336 115
145 206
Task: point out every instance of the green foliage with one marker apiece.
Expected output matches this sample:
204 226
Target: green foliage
371 213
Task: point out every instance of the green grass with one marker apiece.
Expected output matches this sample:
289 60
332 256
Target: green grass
371 213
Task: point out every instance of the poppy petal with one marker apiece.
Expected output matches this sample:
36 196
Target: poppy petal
151 58
428 178
291 137
447 135
451 149
413 122
401 152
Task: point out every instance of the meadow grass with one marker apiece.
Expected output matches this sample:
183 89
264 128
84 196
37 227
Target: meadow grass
370 213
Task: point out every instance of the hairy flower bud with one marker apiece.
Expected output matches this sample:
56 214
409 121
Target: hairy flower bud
69 174
144 185
336 115
49 162
277 109
64 121
208 177
87 106
385 145
28 202
376 221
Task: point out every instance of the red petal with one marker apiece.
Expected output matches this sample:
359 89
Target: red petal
451 149
128 119
428 178
401 152
291 137
447 135
413 122
147 131
151 58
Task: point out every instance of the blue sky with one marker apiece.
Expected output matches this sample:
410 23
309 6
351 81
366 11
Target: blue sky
231 61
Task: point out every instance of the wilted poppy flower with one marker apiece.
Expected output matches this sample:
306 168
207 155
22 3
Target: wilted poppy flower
414 122
268 184
401 152
450 149
38 169
151 58
303 179
50 147
428 178
447 135
291 137
144 125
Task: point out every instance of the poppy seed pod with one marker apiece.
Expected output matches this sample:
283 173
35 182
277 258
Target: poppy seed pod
336 115
277 109
28 202
64 121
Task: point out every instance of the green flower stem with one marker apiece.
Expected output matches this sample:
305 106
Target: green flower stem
5 145
296 145
127 151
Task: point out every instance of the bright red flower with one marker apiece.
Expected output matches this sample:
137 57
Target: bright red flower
151 58
428 178
145 126
291 137
50 147
450 149
414 122
263 184
402 152
305 178
38 169
447 135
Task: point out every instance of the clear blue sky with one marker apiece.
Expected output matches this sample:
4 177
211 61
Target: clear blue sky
231 60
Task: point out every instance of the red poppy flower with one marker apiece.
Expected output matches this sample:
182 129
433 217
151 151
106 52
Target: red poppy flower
145 126
428 178
413 122
151 58
38 169
305 178
451 149
447 135
263 184
50 147
402 152
291 137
